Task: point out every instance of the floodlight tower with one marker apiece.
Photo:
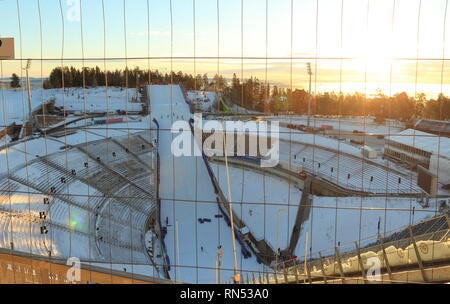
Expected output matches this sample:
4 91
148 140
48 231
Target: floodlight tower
30 110
308 66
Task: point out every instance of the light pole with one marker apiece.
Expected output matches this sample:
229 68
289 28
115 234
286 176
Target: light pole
177 252
219 262
308 66
30 110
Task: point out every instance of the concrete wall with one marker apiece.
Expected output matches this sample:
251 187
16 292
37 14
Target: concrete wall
441 167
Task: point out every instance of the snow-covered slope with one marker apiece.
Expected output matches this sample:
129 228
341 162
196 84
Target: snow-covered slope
187 194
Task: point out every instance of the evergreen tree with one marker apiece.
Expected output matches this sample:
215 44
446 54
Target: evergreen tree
255 94
15 81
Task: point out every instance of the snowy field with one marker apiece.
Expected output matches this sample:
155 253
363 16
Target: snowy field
341 163
266 204
187 194
203 100
342 220
318 140
269 207
364 124
14 103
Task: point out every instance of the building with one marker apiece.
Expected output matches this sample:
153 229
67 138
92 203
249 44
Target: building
419 148
369 152
438 127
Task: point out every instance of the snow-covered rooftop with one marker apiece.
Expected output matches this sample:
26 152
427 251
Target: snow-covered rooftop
424 141
14 104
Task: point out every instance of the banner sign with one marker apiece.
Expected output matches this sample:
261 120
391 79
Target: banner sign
6 48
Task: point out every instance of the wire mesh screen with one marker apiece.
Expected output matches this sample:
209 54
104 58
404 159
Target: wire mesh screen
288 141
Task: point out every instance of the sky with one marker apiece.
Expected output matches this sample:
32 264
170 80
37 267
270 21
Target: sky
380 40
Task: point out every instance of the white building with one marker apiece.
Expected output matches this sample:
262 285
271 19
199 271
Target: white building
420 148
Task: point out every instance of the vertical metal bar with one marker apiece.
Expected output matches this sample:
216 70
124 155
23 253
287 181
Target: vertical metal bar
308 274
386 261
306 251
296 274
341 270
322 267
419 259
285 274
361 265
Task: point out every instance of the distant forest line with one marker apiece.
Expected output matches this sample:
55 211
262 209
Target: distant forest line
255 94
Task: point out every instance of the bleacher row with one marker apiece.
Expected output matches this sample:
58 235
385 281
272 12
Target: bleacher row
91 201
424 243
348 171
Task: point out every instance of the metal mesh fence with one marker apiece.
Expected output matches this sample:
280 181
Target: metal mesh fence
99 93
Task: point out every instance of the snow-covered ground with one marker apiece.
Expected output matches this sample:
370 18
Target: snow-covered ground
269 208
318 140
266 204
97 100
203 100
14 103
340 220
364 124
187 194
340 163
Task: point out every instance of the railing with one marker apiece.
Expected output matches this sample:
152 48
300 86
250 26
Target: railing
345 185
158 228
422 244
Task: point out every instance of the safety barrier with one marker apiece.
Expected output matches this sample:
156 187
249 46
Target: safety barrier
412 250
159 230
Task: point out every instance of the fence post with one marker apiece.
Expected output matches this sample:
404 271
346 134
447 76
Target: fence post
322 267
296 274
419 259
253 278
285 274
308 273
361 265
267 277
341 270
276 276
386 261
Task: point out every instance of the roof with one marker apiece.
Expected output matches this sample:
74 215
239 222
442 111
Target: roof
433 125
424 141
